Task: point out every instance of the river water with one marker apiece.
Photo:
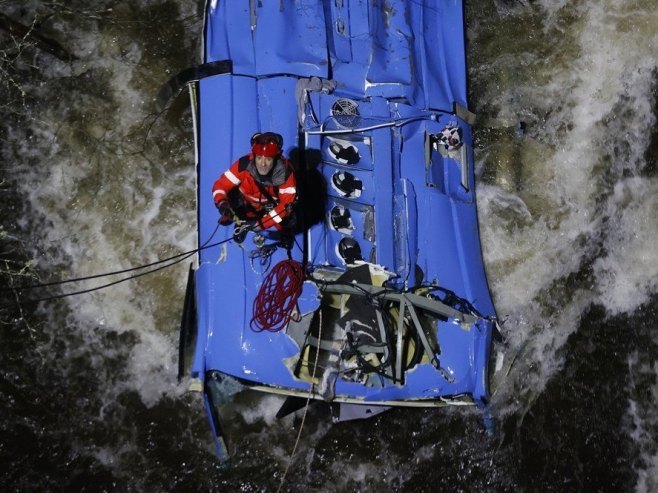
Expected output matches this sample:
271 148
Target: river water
94 179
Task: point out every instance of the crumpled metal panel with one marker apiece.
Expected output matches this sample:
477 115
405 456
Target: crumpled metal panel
405 50
396 49
268 37
442 43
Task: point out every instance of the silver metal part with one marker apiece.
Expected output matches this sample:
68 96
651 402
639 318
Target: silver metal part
427 304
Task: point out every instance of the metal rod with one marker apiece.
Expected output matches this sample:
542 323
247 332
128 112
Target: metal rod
423 337
398 344
382 333
427 304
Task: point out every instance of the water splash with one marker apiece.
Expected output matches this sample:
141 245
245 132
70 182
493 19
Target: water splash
565 212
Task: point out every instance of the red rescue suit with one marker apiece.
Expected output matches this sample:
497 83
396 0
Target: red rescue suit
269 199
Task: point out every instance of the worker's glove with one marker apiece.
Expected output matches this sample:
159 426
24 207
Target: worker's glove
224 208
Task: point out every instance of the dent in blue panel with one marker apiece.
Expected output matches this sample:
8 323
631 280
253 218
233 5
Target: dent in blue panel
476 288
391 44
273 38
225 305
460 343
381 149
442 42
405 223
481 363
291 38
228 35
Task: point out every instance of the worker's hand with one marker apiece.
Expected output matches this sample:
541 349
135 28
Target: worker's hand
224 208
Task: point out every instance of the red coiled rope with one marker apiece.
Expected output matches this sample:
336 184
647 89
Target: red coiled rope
277 296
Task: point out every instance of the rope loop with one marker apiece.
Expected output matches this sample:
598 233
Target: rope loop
277 297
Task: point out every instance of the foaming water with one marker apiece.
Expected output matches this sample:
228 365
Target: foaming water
628 273
567 208
108 184
565 213
115 188
643 422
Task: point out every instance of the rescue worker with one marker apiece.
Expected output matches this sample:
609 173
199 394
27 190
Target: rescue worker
258 188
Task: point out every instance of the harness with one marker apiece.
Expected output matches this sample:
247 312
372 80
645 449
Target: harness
271 202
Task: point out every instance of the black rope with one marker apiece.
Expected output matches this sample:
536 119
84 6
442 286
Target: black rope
102 286
123 271
176 259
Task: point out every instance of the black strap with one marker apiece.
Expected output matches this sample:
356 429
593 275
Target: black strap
267 195
192 74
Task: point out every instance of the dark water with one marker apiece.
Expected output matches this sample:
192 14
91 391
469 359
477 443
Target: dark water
94 180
